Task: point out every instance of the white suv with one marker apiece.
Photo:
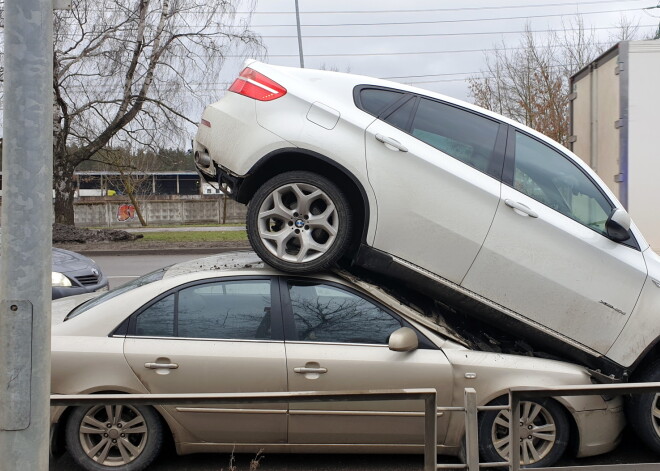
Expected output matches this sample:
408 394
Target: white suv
489 216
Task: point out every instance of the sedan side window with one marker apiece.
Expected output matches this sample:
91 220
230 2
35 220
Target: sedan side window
464 135
324 313
236 310
225 310
158 319
547 176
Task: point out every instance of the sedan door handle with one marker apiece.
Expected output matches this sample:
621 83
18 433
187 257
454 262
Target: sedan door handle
306 369
156 366
391 142
521 207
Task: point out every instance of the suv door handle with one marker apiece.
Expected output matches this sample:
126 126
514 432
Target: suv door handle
521 207
391 142
156 366
306 369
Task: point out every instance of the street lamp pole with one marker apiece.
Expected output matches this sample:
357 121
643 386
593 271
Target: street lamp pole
300 48
27 214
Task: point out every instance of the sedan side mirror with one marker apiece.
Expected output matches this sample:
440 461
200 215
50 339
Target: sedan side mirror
403 340
618 226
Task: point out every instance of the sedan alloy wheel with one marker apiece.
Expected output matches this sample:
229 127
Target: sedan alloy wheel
543 432
114 437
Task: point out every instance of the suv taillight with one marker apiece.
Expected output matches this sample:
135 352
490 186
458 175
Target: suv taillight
251 83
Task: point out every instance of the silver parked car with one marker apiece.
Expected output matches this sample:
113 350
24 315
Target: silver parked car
227 324
481 212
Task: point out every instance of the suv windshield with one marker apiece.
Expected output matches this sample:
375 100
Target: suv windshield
136 283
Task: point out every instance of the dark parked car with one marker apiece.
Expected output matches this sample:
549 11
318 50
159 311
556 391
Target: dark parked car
75 274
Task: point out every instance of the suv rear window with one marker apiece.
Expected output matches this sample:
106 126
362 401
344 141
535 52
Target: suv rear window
375 100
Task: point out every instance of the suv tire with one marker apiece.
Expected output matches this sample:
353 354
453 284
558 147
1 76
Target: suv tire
299 222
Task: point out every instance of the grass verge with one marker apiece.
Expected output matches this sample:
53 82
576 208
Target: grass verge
196 236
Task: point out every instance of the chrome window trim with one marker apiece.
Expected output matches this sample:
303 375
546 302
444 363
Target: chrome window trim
295 342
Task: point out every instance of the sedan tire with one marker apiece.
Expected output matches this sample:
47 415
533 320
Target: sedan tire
299 222
121 438
545 438
643 410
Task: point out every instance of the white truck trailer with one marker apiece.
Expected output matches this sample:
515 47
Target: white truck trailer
615 127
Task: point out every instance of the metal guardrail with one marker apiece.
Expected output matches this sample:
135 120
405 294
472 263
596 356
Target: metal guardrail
470 408
518 394
428 395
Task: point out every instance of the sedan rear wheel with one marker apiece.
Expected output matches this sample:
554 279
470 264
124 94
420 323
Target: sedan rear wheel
102 437
299 222
543 431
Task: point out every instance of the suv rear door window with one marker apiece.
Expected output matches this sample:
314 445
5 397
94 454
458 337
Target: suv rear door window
464 135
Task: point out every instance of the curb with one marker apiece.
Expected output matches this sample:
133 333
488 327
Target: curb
162 251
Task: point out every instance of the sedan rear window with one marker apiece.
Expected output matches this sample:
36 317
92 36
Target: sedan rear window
136 283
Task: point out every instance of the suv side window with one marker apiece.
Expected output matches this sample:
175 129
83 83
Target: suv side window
547 176
375 100
400 118
464 135
325 313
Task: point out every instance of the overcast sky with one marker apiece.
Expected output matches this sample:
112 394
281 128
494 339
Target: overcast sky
430 43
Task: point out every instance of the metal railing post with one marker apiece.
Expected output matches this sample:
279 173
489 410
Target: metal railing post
471 430
514 432
430 433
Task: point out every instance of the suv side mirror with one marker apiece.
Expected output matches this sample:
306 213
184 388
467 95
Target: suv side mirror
403 340
618 225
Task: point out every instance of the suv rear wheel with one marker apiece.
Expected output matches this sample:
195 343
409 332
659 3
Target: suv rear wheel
299 222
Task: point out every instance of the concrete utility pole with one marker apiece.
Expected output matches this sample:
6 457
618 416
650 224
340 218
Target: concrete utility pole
300 49
27 214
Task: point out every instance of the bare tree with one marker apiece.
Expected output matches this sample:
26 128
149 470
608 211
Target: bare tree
133 71
134 177
530 82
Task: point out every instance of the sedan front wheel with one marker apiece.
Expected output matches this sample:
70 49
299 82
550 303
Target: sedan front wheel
121 438
543 431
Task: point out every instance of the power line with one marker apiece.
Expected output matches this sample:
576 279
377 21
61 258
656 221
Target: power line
334 25
469 33
448 51
430 10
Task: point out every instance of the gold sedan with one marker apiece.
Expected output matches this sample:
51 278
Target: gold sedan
226 324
